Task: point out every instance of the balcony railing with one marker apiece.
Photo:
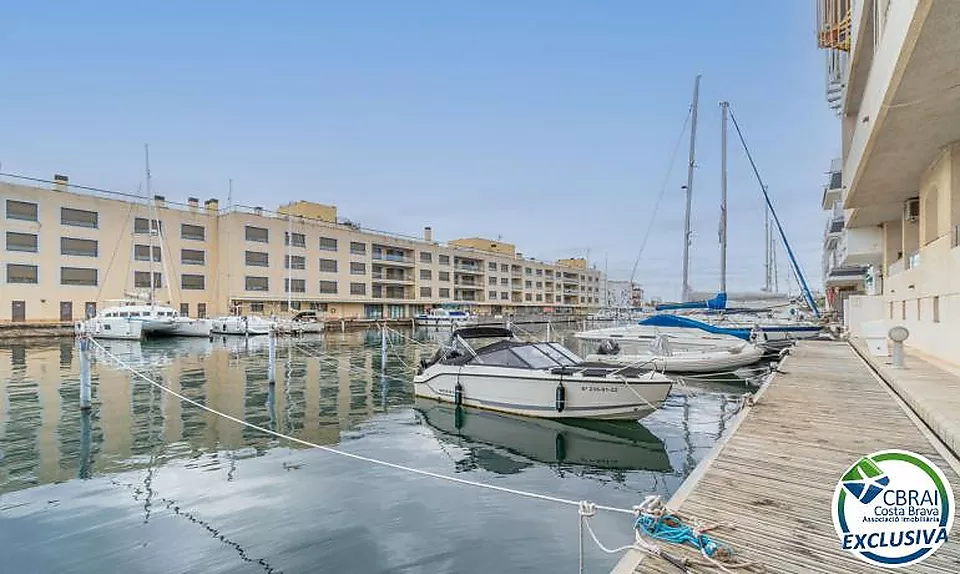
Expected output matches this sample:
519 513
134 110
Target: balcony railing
392 295
477 269
379 256
391 277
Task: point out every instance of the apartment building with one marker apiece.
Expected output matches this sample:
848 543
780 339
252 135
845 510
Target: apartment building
70 251
899 194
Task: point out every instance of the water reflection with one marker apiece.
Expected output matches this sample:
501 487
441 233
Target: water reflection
506 444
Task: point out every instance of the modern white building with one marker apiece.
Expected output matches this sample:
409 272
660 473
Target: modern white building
900 178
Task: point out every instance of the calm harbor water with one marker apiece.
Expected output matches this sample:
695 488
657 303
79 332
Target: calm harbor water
145 483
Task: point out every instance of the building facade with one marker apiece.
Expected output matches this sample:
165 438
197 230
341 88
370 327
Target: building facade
69 252
900 176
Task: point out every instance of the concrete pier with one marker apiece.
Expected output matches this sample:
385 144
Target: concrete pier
775 472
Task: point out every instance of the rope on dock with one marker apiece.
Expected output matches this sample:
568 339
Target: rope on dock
120 362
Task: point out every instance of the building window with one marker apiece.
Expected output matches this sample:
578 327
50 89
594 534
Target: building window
145 226
936 308
256 283
294 239
491 266
21 242
256 307
358 248
78 276
539 272
539 297
504 296
426 275
528 284
79 247
528 271
443 259
201 310
426 257
24 274
903 310
328 287
358 288
141 279
357 268
539 284
504 268
142 252
294 285
426 292
328 265
444 292
192 232
22 210
294 262
256 234
527 297
492 294
78 217
328 244
504 281
193 257
443 275
184 309
492 281
257 259
193 283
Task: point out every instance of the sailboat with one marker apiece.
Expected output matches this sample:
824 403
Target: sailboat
136 316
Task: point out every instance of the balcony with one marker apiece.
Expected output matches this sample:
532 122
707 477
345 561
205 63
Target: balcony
392 278
833 189
908 111
468 269
860 246
394 294
393 258
467 283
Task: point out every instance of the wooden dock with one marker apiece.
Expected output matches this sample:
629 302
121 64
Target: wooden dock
775 475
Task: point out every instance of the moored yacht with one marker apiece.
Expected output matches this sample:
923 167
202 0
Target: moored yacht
489 367
308 321
242 325
153 321
444 318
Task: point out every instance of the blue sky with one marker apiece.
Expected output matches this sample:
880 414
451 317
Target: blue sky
548 123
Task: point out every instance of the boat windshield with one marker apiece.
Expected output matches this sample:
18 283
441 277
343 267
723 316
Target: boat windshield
526 355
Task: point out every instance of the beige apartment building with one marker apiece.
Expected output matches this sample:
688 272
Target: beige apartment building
69 251
895 197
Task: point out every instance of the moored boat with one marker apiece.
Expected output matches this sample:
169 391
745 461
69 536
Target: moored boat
489 367
444 318
662 356
241 325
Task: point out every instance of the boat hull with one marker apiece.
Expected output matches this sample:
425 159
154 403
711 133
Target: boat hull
534 393
690 362
192 328
112 328
237 326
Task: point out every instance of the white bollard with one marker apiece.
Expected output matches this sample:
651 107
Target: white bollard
271 367
84 346
343 326
548 330
898 335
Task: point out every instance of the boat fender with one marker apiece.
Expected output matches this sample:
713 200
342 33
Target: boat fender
458 394
458 417
561 397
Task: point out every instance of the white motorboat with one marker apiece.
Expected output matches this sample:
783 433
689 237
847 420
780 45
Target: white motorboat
187 327
681 337
302 322
242 325
444 318
489 367
662 356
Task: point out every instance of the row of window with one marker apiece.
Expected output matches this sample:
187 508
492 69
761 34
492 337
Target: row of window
89 277
29 211
918 306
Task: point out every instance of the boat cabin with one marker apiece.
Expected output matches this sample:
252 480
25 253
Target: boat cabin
499 347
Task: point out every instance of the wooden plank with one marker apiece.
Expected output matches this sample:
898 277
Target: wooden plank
825 410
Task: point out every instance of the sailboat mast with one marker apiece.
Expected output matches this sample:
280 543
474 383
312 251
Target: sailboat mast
766 250
150 223
289 262
723 197
685 294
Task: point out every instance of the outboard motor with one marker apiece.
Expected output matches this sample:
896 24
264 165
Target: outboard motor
608 347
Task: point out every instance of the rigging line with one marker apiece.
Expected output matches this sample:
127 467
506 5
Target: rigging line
346 454
805 290
663 190
116 248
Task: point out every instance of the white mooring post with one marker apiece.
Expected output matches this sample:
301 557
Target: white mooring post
83 343
383 348
548 330
272 366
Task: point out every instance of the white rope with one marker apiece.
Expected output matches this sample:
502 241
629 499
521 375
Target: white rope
331 360
353 456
